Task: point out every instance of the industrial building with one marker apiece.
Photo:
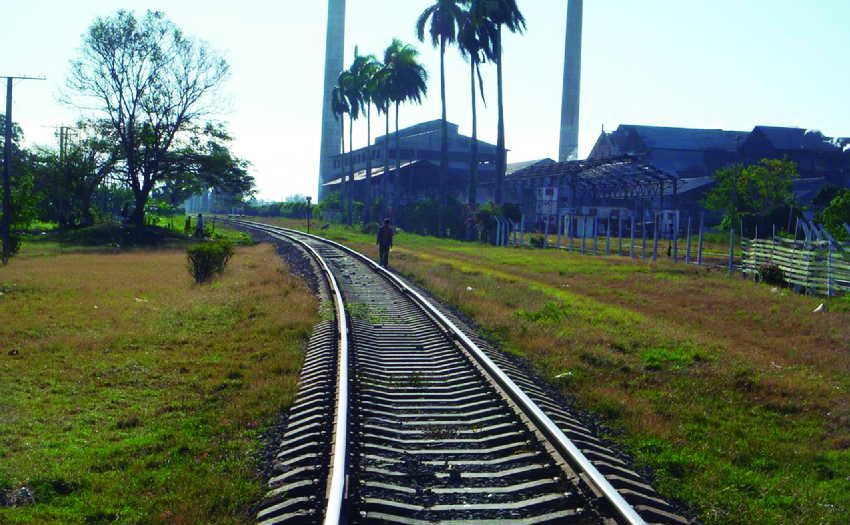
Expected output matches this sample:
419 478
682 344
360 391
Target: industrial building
418 155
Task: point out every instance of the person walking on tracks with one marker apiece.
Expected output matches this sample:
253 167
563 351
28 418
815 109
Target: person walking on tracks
385 242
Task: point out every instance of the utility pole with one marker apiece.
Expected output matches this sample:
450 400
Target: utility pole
6 222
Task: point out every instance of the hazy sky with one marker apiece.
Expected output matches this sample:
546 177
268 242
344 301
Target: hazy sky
702 63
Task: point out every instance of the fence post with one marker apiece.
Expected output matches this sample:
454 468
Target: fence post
522 230
570 219
829 269
773 245
676 238
655 238
632 238
700 243
583 234
643 234
595 234
619 235
731 247
546 231
688 250
608 236
560 225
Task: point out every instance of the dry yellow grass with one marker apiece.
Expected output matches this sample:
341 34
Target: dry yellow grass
128 394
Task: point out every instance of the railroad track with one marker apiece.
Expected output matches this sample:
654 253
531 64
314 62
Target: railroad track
404 416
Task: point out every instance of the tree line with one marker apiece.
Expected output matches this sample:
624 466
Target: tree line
475 27
145 91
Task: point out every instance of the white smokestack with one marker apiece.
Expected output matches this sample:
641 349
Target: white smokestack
334 62
572 83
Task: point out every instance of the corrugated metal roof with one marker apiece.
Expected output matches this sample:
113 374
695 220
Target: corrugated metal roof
517 166
795 139
662 137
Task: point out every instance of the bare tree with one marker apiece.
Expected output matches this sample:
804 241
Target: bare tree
153 84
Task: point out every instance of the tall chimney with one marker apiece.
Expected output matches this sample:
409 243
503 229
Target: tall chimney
572 83
334 62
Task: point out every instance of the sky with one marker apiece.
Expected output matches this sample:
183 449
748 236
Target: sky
729 64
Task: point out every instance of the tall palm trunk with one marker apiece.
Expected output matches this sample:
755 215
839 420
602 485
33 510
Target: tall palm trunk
444 141
397 152
385 183
501 158
473 163
342 183
351 170
367 213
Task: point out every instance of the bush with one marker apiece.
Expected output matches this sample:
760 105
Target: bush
537 241
208 258
771 274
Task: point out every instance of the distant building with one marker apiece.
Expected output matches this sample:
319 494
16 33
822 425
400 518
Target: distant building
419 154
610 189
693 155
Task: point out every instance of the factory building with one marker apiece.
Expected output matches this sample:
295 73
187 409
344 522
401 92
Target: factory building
419 159
693 155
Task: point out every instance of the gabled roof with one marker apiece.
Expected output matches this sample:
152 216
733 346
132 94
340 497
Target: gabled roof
517 166
796 139
612 177
662 137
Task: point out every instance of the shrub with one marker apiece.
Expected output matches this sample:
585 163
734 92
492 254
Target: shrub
208 258
771 274
537 241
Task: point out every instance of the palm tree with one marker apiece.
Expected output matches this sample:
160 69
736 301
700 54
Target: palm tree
502 13
340 107
407 82
380 90
475 41
352 95
364 68
445 17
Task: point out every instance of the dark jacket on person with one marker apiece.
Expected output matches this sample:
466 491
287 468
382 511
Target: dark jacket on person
385 236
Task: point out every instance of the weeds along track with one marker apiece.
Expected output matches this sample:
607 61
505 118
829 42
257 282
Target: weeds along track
405 416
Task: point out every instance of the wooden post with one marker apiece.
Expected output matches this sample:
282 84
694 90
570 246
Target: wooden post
522 230
773 245
699 247
546 231
643 234
688 251
583 235
595 234
608 236
619 235
655 238
829 269
731 248
570 230
560 224
632 238
676 238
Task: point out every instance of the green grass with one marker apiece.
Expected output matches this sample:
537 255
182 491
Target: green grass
735 394
129 395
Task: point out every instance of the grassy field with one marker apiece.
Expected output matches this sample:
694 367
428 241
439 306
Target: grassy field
129 395
735 394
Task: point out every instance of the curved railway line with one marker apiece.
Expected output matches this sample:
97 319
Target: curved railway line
404 416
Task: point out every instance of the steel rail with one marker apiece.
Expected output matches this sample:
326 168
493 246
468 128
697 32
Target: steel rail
336 482
556 436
